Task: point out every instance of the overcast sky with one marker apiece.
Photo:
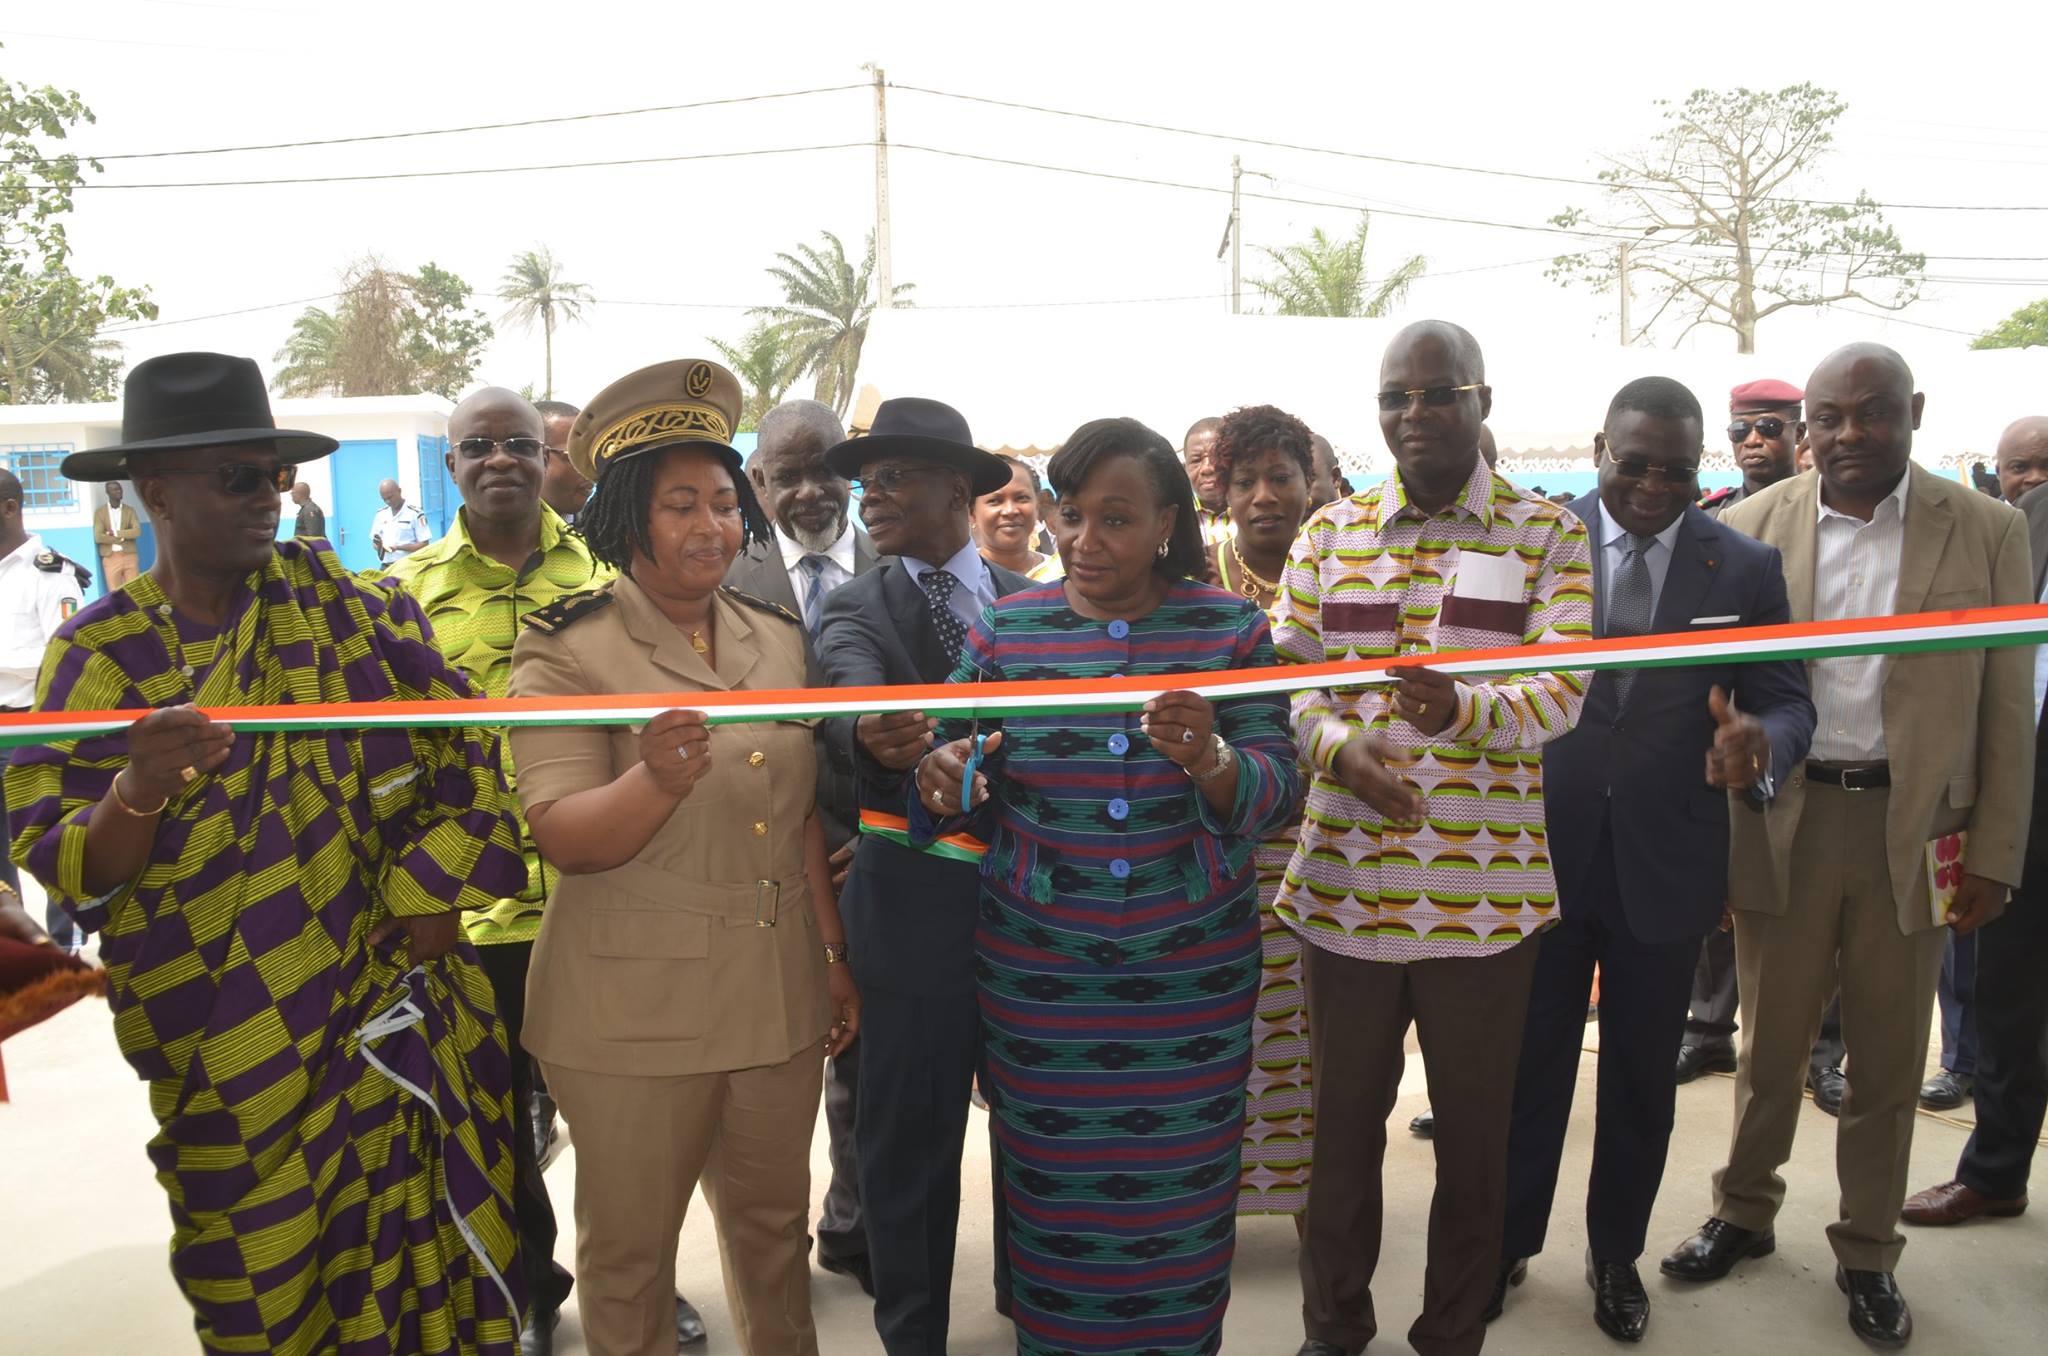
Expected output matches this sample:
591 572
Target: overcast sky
1944 102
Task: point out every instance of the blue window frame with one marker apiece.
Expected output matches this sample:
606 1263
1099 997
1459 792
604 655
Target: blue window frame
35 466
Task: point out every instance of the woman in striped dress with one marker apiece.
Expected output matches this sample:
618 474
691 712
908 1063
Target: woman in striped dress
1118 952
1265 462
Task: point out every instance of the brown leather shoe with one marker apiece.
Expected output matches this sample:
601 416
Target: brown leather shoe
1952 1203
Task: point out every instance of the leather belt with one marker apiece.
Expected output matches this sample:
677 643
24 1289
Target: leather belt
1851 776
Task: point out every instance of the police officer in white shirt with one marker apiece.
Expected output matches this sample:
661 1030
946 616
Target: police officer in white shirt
399 529
39 591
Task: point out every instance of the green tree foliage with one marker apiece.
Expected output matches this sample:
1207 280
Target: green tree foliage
539 294
1322 276
765 362
2025 328
51 317
827 304
1721 222
390 333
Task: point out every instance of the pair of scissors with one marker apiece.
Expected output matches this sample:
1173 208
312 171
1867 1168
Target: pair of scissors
977 739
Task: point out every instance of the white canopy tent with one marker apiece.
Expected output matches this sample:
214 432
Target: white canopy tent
1026 378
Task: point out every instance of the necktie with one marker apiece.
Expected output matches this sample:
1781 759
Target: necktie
813 566
1628 610
938 596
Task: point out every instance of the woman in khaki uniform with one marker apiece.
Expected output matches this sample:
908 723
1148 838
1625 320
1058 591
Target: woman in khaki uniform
689 978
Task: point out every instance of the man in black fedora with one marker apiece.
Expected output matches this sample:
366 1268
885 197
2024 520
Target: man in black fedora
278 919
910 914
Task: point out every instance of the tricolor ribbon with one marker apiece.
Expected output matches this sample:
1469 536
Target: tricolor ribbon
1966 629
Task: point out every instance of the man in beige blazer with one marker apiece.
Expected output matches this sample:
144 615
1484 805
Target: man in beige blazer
1831 879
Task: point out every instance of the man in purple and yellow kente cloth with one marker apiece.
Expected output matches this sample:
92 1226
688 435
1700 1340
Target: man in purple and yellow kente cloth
278 910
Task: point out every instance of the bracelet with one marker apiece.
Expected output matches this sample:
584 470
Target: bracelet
1226 758
127 809
835 953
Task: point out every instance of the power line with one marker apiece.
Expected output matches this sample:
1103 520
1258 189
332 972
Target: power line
219 315
1427 164
445 131
1546 229
488 169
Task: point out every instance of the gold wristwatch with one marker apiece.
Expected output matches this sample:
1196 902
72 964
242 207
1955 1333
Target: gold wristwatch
1225 758
835 953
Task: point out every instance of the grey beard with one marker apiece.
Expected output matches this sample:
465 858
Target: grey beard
820 542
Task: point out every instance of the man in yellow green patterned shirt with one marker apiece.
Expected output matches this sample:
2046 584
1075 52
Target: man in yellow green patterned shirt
506 554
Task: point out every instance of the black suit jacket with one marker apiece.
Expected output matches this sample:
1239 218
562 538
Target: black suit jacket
1644 763
2034 504
910 916
759 570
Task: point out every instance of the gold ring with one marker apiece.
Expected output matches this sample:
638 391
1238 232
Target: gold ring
188 773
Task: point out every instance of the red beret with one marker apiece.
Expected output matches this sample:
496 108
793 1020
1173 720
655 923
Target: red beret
1764 395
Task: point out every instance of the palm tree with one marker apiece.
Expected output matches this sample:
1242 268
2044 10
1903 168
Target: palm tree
311 355
1321 276
766 367
534 286
826 312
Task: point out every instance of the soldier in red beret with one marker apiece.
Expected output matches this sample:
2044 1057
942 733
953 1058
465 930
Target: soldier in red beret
1764 429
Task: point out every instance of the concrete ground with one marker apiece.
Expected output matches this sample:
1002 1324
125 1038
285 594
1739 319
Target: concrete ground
83 1229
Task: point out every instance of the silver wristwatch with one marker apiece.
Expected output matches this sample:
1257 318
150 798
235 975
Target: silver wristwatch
1226 758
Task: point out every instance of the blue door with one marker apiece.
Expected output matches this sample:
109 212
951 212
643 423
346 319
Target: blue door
438 496
360 466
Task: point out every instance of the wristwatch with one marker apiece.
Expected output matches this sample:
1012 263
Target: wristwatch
835 953
1225 758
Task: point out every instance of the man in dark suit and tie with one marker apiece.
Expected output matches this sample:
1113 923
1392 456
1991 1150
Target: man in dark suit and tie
1637 801
2012 953
911 914
815 549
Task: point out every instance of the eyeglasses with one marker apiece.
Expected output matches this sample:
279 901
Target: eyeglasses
1770 426
1436 397
476 449
890 479
1638 468
240 478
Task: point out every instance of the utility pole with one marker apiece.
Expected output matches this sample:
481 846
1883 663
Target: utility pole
1622 284
885 286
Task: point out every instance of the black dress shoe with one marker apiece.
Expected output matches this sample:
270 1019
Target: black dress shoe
538 1337
857 1267
1316 1346
1694 1060
1620 1304
1945 1090
1425 1124
1512 1272
690 1330
1877 1311
1828 1086
1713 1252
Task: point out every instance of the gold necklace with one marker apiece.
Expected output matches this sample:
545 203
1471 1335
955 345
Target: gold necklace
1253 585
698 643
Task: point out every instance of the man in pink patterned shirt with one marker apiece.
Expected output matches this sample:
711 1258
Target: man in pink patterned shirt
1422 870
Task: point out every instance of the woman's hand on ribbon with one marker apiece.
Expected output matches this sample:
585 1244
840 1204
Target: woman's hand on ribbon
168 748
940 775
675 748
1180 724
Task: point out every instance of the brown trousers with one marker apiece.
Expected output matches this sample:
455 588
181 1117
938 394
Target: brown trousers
1468 1014
642 1146
1843 920
119 569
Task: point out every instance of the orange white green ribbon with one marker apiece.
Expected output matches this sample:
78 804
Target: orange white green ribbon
1967 629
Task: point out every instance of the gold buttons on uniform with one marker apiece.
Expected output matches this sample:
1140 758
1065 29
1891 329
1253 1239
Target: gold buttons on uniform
756 758
760 828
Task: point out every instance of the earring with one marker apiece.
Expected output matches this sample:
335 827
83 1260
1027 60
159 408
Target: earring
1164 547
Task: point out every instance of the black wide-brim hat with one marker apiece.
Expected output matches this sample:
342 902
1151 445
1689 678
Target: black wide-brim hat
910 426
183 400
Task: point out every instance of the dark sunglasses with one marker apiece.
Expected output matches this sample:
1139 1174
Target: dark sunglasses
1638 468
476 449
1436 397
1770 426
239 477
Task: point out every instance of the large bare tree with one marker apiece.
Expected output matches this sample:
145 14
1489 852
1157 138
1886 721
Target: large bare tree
1718 221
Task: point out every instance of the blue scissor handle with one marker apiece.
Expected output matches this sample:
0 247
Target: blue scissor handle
967 774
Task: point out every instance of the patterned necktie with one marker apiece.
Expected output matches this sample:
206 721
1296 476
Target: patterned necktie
1628 609
813 566
938 596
